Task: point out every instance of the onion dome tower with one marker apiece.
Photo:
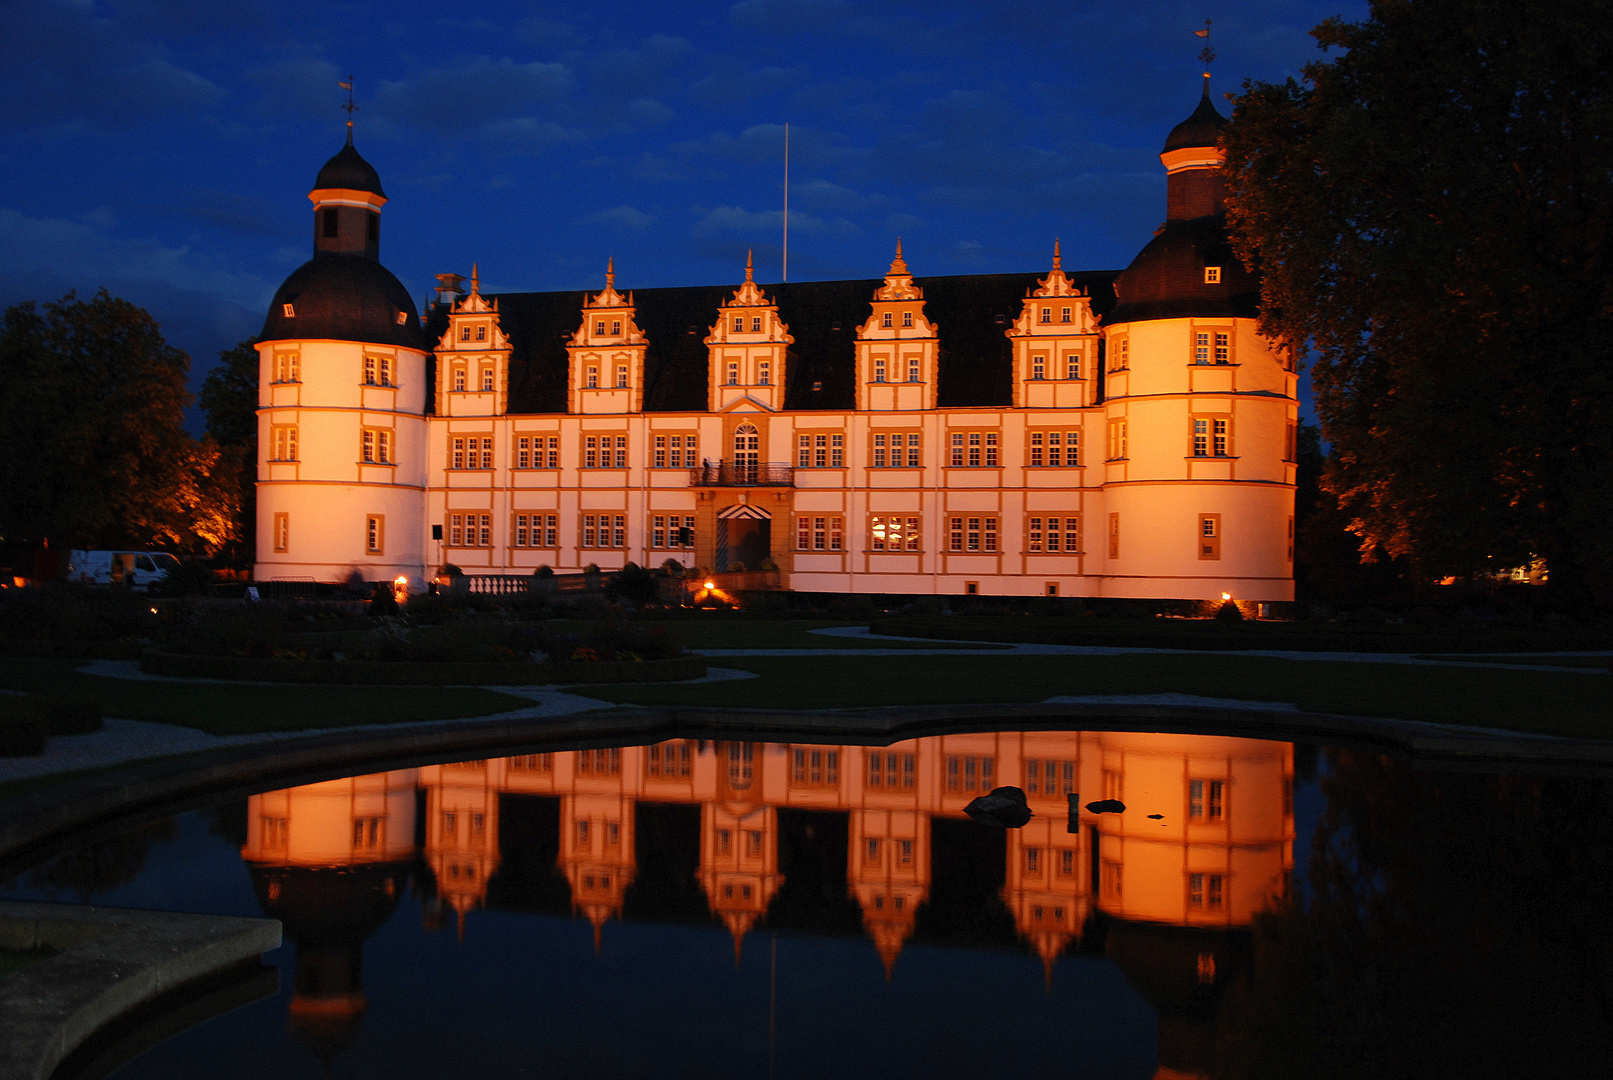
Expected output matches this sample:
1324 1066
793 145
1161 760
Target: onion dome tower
1201 412
342 399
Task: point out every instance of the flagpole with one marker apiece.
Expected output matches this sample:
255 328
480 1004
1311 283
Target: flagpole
786 271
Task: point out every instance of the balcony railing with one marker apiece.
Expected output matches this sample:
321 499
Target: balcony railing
742 474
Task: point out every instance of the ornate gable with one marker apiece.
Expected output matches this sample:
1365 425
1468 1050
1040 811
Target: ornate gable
748 349
473 357
1055 342
607 353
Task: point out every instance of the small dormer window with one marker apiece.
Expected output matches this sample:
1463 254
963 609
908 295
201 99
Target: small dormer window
817 388
739 324
1065 315
1047 315
835 326
1212 275
464 333
291 312
756 324
402 318
907 318
481 333
887 318
616 326
599 328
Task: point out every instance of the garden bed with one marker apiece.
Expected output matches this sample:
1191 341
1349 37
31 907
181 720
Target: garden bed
71 650
420 673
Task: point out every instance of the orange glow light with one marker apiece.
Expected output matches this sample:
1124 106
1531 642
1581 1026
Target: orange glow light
1226 596
711 584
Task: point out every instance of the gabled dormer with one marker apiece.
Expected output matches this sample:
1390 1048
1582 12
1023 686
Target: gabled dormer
473 358
747 347
607 354
1055 343
896 347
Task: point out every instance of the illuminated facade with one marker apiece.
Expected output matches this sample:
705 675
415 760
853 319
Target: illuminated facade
1072 434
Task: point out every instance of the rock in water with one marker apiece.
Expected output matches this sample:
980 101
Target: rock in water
1004 807
1107 806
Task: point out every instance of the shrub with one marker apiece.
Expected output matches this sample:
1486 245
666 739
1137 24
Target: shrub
591 568
736 567
544 571
67 612
767 564
450 570
672 568
1228 612
633 584
382 600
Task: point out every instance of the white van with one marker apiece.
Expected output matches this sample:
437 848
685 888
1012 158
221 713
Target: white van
135 569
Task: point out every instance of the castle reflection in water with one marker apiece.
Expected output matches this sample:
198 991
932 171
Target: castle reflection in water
1205 841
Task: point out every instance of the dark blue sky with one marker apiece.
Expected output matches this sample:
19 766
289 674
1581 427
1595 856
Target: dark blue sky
164 148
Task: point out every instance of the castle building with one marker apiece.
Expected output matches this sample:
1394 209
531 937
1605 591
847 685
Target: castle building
1069 434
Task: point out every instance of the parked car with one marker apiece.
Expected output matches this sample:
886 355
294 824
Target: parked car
133 569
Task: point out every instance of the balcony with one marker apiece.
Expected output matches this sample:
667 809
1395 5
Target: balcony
742 474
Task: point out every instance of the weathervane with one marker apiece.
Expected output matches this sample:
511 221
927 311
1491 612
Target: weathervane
1206 54
350 107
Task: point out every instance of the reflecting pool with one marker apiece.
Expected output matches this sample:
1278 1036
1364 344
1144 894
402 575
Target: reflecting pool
763 909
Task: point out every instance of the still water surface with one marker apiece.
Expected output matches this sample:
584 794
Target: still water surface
738 909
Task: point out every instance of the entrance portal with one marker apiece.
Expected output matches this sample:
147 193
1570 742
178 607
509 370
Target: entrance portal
744 535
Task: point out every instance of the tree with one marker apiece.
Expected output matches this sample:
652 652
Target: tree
1430 214
92 442
229 398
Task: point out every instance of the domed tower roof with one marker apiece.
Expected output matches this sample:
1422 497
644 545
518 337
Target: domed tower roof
1203 128
1168 279
350 171
344 298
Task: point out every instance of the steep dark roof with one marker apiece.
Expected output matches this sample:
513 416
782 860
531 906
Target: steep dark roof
1203 128
976 361
348 170
344 298
1166 279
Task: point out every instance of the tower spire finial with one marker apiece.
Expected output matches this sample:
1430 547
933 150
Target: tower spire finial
1206 54
898 264
350 107
1057 259
475 284
610 272
749 268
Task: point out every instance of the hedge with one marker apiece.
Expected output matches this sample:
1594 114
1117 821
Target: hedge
408 673
43 648
27 721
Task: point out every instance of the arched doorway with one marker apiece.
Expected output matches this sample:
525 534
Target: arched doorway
744 535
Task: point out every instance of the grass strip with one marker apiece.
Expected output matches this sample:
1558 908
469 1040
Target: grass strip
1213 634
727 631
222 709
1529 658
1542 702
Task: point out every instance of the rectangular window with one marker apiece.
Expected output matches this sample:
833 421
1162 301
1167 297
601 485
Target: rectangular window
907 318
386 371
974 449
819 533
671 531
1211 436
1201 348
1291 443
1049 777
456 530
1066 862
1109 880
913 369
541 763
879 368
369 833
1049 533
893 533
1114 536
286 368
966 774
1033 861
1038 368
889 771
282 532
814 766
621 451
1205 892
1053 449
1120 354
536 530
972 534
285 443
599 762
1064 315
733 373
470 530
375 534
1223 348
590 452
456 454
1209 536
1117 440
604 531
1205 799
896 450
369 371
764 373
877 456
1072 366
621 377
1212 275
667 761
538 452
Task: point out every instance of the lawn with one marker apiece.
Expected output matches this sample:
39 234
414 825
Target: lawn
1528 658
725 631
1545 702
236 710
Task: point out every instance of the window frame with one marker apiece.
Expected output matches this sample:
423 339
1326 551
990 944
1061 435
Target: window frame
375 534
895 534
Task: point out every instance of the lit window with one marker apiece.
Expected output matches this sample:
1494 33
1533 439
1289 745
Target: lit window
1212 275
893 533
1205 800
375 534
1209 538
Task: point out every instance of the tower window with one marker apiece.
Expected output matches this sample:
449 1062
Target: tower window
373 227
330 221
1212 275
291 312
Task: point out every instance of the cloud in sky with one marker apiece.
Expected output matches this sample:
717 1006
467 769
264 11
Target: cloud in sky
168 145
